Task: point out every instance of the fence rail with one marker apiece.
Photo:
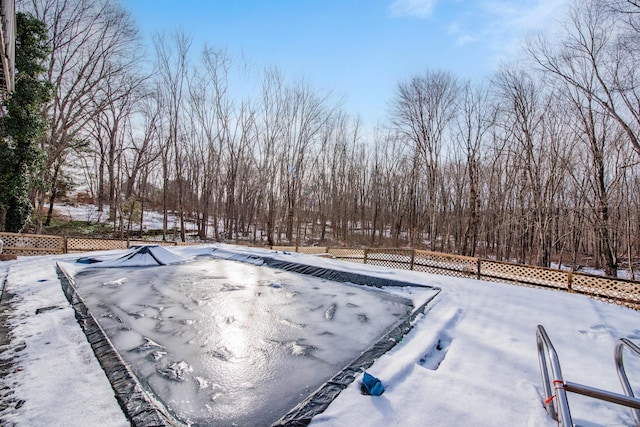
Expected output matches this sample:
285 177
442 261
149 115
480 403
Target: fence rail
75 245
609 289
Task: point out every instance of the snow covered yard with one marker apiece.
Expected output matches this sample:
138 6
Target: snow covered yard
471 360
55 378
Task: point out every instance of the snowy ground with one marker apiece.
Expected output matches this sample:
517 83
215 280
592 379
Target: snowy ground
470 361
88 212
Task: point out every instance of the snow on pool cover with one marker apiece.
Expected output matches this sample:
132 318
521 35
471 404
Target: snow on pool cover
230 343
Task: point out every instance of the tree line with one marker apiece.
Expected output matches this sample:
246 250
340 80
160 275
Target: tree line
537 164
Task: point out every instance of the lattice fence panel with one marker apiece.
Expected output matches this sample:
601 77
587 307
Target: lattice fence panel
523 274
153 242
312 250
345 254
284 248
31 244
76 244
439 263
618 291
391 258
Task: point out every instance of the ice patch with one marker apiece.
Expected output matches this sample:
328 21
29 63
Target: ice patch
156 355
300 349
330 312
147 345
115 283
202 383
222 353
176 371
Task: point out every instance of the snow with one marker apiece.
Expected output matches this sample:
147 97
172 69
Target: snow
80 212
470 360
55 372
89 212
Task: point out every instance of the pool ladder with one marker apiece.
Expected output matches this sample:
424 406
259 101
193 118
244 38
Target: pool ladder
556 387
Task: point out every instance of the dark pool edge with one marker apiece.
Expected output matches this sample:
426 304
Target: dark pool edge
140 407
338 275
318 401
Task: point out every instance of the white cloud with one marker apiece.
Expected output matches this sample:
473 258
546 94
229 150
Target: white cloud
503 24
460 34
465 39
530 16
412 8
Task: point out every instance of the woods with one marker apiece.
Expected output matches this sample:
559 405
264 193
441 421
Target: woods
539 164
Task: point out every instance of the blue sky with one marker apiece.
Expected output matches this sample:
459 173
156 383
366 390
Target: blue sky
359 49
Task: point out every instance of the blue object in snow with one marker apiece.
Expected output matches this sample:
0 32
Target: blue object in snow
372 385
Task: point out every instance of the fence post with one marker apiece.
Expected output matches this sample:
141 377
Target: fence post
569 281
479 273
65 246
413 258
366 254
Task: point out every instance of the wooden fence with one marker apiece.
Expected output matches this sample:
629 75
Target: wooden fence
32 244
609 289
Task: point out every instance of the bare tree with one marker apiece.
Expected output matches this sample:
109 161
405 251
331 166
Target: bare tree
270 130
627 10
143 151
91 43
172 64
594 55
530 121
595 64
599 134
109 129
210 112
422 111
477 116
305 112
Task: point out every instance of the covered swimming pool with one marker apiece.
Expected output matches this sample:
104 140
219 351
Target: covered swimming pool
225 342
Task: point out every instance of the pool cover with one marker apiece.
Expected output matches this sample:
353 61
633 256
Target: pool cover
228 343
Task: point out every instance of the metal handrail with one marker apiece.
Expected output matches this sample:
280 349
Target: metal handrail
563 415
561 387
608 396
622 375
